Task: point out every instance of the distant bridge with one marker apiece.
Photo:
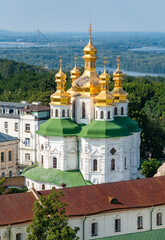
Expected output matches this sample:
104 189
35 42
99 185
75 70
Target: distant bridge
36 36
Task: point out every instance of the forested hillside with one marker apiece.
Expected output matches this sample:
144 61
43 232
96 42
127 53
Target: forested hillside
19 81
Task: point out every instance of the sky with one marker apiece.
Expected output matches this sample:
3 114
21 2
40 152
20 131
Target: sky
76 15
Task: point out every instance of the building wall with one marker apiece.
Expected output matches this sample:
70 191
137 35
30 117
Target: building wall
106 223
7 165
62 148
126 158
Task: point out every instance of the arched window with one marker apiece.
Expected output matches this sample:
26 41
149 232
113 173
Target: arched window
54 162
159 219
139 222
83 110
68 113
125 163
43 187
56 113
19 236
73 109
102 115
42 147
109 115
94 229
115 111
96 115
95 165
113 164
42 160
117 225
122 111
63 113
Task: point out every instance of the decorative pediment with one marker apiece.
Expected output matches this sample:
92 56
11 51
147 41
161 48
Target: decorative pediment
72 151
55 151
95 152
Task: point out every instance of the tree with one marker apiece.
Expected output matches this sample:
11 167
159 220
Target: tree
2 180
49 219
149 167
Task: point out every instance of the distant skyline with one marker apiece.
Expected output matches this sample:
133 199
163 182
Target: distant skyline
76 15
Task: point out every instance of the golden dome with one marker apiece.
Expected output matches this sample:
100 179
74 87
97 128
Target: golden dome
89 81
119 94
60 97
75 72
104 98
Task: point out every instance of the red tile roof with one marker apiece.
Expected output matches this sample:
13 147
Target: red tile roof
87 200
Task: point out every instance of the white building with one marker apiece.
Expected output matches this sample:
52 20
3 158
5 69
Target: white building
88 132
22 120
124 210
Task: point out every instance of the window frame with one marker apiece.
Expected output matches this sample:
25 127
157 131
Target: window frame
95 165
139 222
10 155
117 225
27 127
54 162
19 236
94 229
3 154
27 156
159 219
27 141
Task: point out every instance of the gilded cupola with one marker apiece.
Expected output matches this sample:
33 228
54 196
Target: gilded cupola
104 98
88 83
60 97
119 94
75 72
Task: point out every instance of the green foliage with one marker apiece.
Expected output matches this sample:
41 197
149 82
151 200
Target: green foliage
49 219
2 181
17 190
149 167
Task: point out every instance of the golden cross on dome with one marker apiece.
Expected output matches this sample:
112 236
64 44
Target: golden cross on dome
90 30
118 61
105 62
75 58
60 61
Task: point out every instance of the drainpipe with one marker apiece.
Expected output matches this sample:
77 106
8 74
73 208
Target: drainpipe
151 218
9 231
78 159
84 227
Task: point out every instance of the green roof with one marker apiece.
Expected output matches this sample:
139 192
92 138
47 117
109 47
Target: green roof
104 129
132 125
72 178
59 127
148 235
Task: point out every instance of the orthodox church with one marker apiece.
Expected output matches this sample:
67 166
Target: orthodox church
89 138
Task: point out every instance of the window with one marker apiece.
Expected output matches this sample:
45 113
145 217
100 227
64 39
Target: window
73 109
19 236
109 115
2 157
27 141
95 165
83 110
122 111
42 160
6 126
54 162
102 115
63 113
125 163
56 113
140 222
43 187
9 156
94 229
27 156
10 173
117 225
27 127
159 219
113 151
96 115
68 113
16 126
115 111
3 174
42 147
7 111
113 164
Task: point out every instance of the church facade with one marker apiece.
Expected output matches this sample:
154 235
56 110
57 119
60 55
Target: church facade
89 138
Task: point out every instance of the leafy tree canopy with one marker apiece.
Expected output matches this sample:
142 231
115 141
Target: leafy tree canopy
149 167
49 219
